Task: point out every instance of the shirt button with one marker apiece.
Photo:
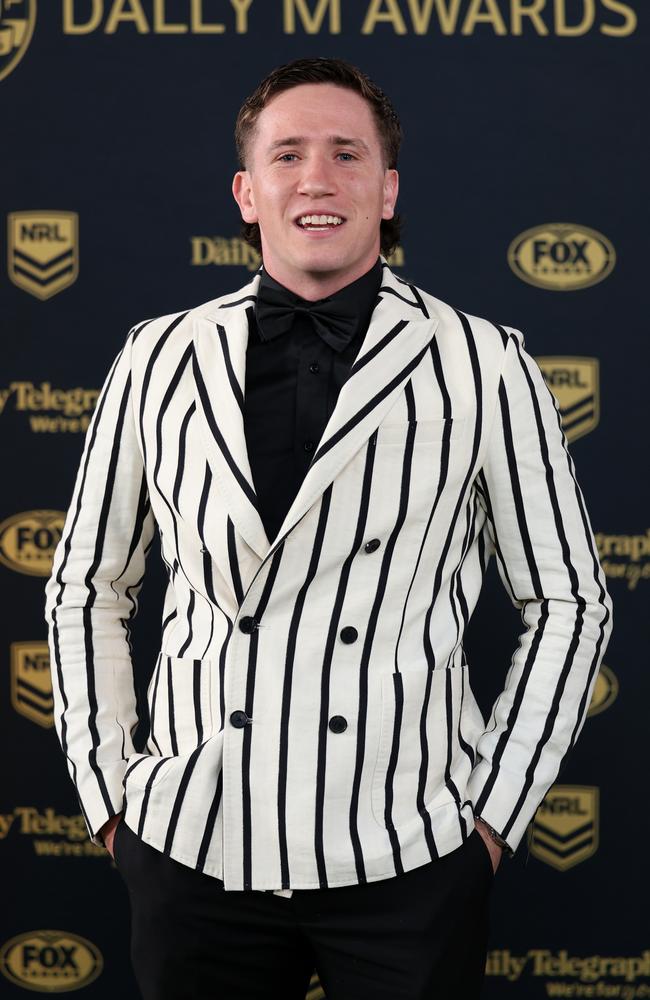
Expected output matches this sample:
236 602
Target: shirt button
308 445
239 719
373 544
314 367
247 624
338 724
349 633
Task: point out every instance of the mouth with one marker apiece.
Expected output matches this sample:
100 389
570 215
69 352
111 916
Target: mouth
319 222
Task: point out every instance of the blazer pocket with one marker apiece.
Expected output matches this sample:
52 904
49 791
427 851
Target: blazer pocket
180 705
409 735
426 431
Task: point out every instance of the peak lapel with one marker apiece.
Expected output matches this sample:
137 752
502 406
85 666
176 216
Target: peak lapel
397 337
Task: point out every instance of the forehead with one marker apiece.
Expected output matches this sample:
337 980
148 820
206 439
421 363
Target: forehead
315 110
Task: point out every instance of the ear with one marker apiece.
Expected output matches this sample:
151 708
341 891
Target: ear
391 189
242 191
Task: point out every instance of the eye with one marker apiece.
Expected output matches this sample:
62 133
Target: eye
285 154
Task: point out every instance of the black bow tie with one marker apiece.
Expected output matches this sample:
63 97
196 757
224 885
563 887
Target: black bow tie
335 320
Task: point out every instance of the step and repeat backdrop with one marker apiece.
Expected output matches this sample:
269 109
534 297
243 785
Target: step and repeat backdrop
524 195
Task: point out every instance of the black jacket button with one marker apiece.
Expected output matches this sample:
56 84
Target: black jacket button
338 724
349 633
373 544
238 719
247 624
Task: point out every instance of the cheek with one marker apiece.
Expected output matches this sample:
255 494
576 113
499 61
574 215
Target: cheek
271 199
370 201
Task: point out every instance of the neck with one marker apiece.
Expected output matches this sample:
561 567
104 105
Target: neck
314 285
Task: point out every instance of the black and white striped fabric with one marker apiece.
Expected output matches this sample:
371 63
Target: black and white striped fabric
312 718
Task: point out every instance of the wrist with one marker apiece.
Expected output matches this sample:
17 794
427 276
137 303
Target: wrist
494 835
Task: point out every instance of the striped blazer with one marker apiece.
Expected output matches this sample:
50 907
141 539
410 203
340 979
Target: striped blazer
312 721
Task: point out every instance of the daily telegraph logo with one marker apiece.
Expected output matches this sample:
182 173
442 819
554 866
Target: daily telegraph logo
31 682
50 410
625 557
229 251
565 829
43 251
561 256
50 961
17 20
53 834
575 383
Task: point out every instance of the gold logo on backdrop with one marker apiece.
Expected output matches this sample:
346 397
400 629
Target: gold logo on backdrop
31 682
575 383
50 410
50 961
17 20
28 541
225 251
561 256
43 251
605 690
565 829
52 834
625 557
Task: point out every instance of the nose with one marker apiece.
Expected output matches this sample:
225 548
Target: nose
316 177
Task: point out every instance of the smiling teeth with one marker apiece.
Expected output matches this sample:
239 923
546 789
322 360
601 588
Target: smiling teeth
320 220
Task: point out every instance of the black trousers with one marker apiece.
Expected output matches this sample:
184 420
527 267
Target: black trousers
421 935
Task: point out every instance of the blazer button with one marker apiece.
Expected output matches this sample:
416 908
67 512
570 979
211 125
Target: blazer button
239 719
247 624
349 633
373 544
338 724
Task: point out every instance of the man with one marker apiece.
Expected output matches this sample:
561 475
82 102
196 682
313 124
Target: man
330 456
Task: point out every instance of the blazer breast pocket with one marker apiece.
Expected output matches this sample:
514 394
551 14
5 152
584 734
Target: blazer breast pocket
426 431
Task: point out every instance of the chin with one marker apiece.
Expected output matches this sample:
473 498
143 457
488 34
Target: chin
324 261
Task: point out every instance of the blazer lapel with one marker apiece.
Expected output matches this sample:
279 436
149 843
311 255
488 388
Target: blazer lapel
398 335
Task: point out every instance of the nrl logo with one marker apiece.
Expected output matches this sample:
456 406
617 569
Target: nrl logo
43 251
17 19
31 682
575 383
565 829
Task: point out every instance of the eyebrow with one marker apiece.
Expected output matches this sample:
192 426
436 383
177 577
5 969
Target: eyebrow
335 140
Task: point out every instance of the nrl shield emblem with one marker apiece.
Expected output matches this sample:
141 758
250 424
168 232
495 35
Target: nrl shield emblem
31 682
565 829
17 19
575 383
43 251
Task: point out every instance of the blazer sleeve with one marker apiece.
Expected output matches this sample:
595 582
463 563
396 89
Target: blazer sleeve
548 561
91 596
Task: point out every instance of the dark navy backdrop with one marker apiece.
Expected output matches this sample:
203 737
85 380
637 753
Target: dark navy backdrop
131 129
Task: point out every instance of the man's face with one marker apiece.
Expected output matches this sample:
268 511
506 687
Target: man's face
316 151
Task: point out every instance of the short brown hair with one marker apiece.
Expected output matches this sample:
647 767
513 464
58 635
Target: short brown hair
323 70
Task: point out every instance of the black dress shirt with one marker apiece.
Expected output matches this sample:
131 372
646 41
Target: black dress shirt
292 384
